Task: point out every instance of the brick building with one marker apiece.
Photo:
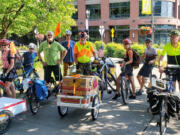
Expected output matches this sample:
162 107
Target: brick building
126 18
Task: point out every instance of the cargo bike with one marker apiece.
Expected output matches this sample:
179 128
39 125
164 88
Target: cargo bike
79 92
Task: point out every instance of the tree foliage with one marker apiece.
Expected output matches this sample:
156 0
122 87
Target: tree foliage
23 16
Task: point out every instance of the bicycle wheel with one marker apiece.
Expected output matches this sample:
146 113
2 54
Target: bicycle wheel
163 120
2 91
62 110
95 110
5 120
124 90
34 103
111 81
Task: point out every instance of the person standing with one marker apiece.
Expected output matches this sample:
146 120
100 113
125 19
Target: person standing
172 49
9 71
54 54
83 50
145 71
69 45
29 56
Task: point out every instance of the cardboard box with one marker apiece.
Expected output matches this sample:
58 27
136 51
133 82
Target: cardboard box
82 86
15 106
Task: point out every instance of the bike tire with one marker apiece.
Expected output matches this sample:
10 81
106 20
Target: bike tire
163 120
34 103
5 121
124 91
2 91
95 111
111 81
62 111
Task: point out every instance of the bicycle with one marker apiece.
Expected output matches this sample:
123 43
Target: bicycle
124 85
165 93
5 121
101 68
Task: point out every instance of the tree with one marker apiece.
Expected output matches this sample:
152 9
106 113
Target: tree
23 16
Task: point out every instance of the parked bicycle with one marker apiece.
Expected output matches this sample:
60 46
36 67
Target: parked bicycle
101 68
163 101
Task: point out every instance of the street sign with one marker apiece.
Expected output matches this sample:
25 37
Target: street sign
101 30
112 32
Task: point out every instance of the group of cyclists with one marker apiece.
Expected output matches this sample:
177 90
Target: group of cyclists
69 52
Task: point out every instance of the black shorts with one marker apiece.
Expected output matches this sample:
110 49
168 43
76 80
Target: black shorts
128 71
176 77
56 71
10 76
145 70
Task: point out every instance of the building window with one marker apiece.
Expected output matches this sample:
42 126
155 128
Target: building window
74 35
121 32
161 34
161 8
119 10
95 11
75 15
94 34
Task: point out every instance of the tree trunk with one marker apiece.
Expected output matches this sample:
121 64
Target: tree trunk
3 34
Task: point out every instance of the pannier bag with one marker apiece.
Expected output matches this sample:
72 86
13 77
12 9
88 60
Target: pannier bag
173 105
154 101
41 89
136 59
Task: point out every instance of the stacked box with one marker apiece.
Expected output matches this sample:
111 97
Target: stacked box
82 86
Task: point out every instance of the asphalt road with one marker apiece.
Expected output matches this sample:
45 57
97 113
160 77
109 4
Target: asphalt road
114 119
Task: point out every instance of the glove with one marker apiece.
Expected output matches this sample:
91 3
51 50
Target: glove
4 75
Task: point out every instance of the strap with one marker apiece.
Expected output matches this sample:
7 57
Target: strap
176 60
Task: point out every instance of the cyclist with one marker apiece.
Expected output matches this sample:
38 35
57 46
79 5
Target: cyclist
83 51
9 71
54 54
69 45
172 49
29 56
128 59
150 58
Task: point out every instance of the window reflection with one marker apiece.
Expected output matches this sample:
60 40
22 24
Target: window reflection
95 11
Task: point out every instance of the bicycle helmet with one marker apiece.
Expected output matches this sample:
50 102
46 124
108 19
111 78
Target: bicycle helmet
31 46
148 40
4 42
127 41
174 32
68 32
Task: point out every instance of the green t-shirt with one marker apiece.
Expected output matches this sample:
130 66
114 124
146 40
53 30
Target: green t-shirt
51 52
173 54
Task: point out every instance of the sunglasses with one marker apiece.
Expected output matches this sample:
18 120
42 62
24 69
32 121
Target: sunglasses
49 35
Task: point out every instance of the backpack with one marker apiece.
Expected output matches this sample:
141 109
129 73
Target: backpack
136 59
17 62
41 89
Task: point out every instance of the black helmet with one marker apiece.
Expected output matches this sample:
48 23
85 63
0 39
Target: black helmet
148 40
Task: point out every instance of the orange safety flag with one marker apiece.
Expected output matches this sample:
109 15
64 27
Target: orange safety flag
13 48
57 30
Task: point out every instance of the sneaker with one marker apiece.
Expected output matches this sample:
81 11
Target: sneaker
139 93
132 97
116 96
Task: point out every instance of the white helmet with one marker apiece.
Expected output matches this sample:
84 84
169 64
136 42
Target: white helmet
68 32
32 46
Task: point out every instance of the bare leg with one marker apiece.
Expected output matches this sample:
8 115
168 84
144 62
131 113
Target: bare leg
139 78
118 84
7 87
179 86
13 90
174 85
131 78
142 83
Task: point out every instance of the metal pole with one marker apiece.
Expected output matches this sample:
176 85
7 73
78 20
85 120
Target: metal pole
152 19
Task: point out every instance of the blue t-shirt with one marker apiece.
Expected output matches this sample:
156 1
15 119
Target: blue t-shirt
70 51
29 58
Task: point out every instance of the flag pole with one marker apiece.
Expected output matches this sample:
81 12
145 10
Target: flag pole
152 19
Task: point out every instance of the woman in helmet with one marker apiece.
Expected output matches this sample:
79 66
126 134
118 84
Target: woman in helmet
8 67
128 59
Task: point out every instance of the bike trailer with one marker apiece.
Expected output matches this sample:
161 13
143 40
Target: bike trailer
12 105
